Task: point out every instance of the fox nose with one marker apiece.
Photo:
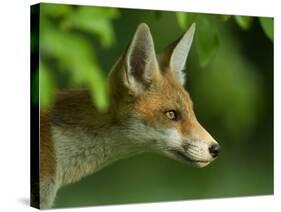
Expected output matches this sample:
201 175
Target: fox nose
214 150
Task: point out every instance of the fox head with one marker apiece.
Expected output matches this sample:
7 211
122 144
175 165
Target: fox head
151 104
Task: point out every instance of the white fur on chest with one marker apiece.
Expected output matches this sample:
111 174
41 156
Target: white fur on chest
78 153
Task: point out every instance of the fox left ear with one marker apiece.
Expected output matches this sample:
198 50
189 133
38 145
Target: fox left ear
141 64
177 54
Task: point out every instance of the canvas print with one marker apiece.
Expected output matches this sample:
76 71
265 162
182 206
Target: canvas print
134 106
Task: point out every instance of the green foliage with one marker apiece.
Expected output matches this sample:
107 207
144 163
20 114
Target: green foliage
207 41
206 38
225 17
55 10
62 39
46 87
267 26
185 20
97 22
244 22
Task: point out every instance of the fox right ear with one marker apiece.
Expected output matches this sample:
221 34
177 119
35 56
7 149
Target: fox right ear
140 61
176 54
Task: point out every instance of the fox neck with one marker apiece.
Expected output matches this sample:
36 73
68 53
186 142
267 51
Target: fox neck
81 151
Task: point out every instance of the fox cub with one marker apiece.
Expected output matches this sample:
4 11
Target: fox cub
149 111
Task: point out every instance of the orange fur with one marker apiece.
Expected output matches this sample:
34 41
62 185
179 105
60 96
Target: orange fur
167 94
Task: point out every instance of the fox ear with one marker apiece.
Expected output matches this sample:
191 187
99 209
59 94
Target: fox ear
140 61
178 53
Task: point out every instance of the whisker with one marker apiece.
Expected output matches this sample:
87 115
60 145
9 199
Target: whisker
193 150
189 144
193 154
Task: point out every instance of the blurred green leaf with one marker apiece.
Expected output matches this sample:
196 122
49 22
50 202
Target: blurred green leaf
55 10
76 55
206 40
185 19
267 26
96 21
98 88
73 51
225 17
244 22
47 87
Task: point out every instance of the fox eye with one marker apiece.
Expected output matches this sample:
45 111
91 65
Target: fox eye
172 115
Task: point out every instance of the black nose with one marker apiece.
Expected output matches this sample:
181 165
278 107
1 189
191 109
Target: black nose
214 150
